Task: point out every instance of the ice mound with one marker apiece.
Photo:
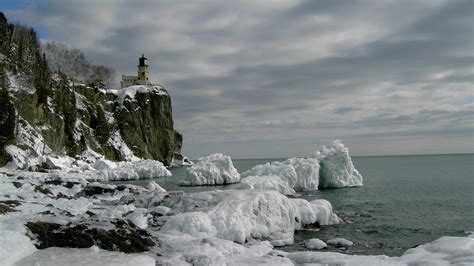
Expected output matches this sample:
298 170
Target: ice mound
340 242
447 250
214 169
183 249
143 169
267 182
243 215
337 169
315 243
300 174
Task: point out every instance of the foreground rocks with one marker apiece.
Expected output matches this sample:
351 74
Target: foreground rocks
124 237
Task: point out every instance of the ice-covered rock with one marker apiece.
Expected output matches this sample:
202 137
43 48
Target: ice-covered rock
446 250
337 169
339 242
184 249
139 218
315 243
300 173
214 169
153 186
245 214
103 164
143 169
267 182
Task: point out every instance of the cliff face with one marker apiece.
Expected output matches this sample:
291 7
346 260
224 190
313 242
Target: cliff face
145 122
42 113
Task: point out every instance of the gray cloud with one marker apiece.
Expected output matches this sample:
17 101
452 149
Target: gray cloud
281 78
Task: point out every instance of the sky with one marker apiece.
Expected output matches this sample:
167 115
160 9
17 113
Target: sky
280 78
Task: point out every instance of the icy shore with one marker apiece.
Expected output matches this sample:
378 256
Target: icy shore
41 211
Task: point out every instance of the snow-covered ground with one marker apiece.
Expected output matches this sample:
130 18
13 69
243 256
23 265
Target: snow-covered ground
44 215
237 227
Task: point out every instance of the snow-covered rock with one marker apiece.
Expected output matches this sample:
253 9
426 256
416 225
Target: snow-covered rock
214 169
184 249
143 169
337 169
267 182
245 214
130 92
315 243
300 173
339 242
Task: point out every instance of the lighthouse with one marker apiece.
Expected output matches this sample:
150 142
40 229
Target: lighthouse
142 71
141 79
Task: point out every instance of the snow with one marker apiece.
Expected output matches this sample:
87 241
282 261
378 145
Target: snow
84 256
334 258
339 242
139 218
443 251
183 249
315 243
15 244
267 182
214 169
119 144
447 250
337 169
131 91
18 83
143 169
301 174
242 215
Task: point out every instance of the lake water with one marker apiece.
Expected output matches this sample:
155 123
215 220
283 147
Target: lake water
405 201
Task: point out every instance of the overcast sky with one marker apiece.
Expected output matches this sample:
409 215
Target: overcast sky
278 78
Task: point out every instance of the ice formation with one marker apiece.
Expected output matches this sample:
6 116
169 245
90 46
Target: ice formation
267 182
143 169
446 250
243 215
315 243
214 169
300 174
342 242
337 169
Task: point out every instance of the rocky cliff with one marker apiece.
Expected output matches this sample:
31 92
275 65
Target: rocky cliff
43 113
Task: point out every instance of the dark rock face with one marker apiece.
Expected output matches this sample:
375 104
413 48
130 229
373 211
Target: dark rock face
7 118
5 208
146 125
123 238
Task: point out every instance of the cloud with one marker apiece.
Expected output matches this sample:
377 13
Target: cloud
281 78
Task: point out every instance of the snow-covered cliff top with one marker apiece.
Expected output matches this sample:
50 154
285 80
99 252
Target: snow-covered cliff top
132 91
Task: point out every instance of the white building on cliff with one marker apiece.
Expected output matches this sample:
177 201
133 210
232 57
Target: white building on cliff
141 79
